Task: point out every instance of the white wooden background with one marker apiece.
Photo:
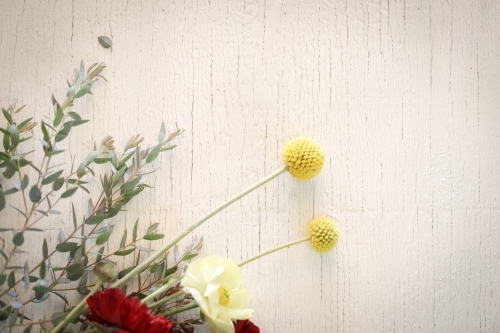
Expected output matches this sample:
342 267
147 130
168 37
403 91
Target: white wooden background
403 95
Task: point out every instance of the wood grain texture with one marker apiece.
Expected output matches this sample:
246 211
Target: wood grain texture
403 96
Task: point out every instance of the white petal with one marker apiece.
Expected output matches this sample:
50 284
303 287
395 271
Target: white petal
238 299
214 282
240 314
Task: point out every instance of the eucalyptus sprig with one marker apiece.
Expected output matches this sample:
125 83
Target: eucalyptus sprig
44 185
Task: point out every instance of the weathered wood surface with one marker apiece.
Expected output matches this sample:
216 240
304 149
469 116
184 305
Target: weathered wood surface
403 95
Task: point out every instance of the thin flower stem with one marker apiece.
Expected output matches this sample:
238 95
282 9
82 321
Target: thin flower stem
77 309
174 241
166 299
178 310
163 288
282 246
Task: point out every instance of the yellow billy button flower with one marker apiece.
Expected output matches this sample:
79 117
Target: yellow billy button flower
304 158
324 234
214 282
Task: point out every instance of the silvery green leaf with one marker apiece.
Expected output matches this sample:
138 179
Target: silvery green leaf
152 228
25 182
73 215
70 192
177 257
152 237
64 281
16 304
18 239
56 212
28 329
78 254
74 115
81 74
131 184
35 194
119 173
43 298
90 206
130 151
26 277
161 134
83 280
14 134
105 41
101 250
43 269
2 200
145 249
45 249
13 318
58 183
57 317
52 177
103 229
62 237
43 282
103 238
83 91
58 111
90 157
153 154
20 251
134 232
124 239
159 271
112 167
17 186
153 289
12 293
71 92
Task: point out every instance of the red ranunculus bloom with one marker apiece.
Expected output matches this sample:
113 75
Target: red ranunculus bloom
112 308
245 326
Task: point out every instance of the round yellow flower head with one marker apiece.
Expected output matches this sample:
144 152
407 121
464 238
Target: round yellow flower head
304 158
324 234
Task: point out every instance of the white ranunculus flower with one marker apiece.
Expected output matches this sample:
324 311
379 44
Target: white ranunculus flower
214 284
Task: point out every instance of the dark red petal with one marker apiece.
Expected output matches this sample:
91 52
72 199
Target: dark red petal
107 305
245 326
113 308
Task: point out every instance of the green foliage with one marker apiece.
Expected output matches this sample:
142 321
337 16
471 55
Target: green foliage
33 187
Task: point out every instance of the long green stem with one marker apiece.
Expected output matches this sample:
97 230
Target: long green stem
163 288
178 310
166 299
77 309
183 234
282 246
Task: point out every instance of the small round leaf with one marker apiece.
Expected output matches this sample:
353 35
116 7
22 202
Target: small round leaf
105 42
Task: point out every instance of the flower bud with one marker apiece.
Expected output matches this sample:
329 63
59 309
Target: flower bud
106 271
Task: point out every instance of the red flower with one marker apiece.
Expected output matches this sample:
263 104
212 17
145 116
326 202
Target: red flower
245 326
112 308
